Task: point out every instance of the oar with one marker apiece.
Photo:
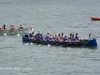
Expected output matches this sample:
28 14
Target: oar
94 35
16 33
89 40
49 45
4 32
31 42
86 43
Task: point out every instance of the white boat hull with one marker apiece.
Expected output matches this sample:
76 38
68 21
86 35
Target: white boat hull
13 32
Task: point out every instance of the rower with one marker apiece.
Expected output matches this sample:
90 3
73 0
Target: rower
40 33
51 36
56 38
60 39
30 36
12 27
62 34
21 26
72 38
47 37
4 27
64 39
77 38
0 28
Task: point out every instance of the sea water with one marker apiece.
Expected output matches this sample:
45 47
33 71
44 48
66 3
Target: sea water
53 16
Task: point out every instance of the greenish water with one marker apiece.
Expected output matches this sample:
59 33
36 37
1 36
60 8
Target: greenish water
54 16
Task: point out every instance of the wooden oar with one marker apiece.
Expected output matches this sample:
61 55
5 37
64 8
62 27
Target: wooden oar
86 43
31 42
4 32
11 30
16 33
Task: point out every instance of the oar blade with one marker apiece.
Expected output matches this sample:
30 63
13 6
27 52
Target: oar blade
18 34
5 34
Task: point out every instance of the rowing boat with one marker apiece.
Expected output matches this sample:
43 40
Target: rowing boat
83 43
12 32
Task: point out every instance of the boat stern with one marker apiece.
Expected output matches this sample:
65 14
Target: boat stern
92 42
